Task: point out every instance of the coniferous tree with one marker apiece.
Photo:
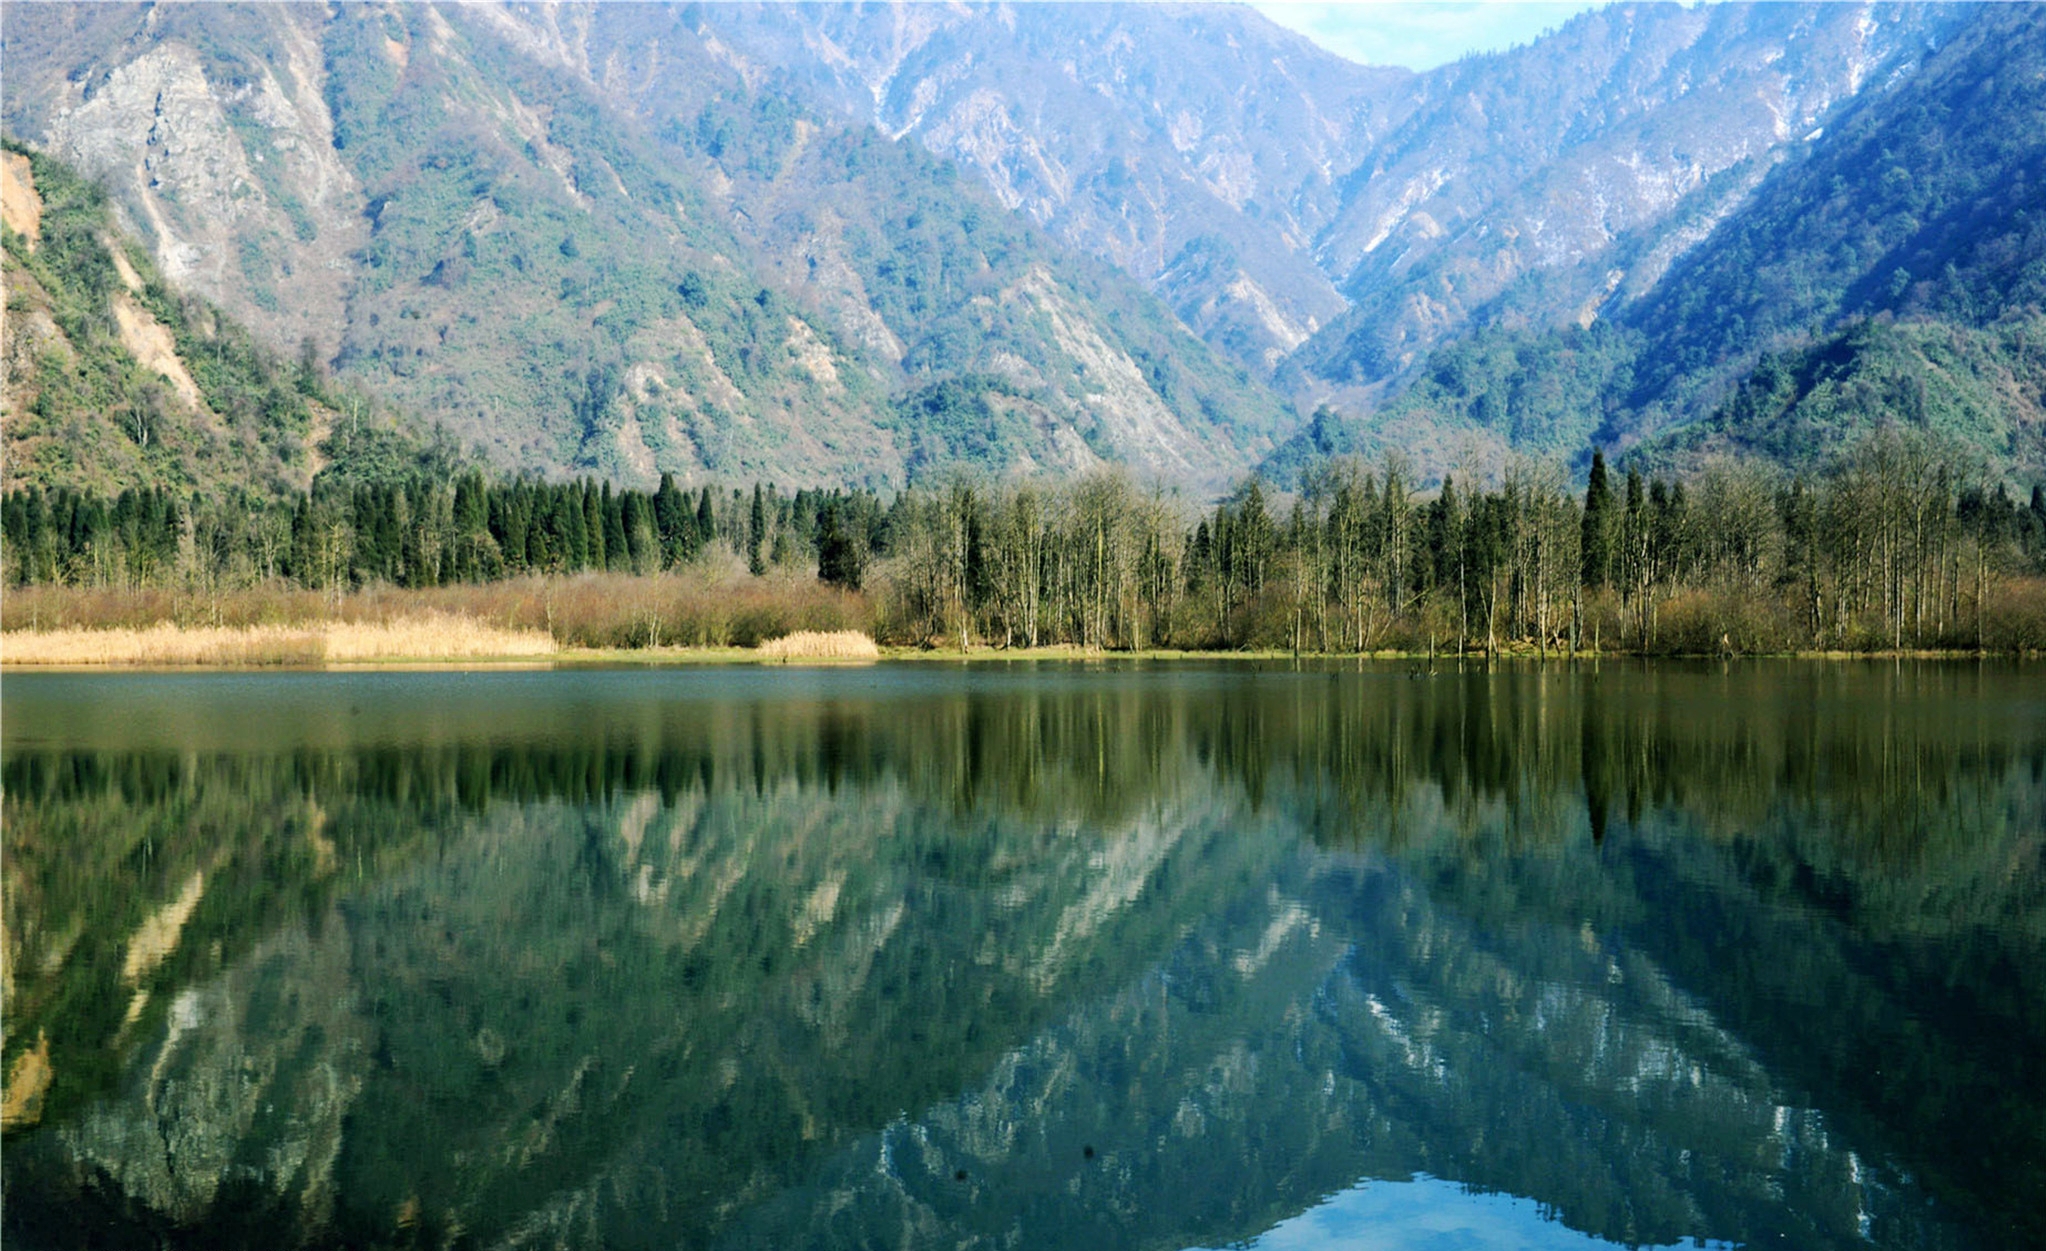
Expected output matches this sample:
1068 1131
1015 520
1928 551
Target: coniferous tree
756 534
300 560
1452 564
593 525
1600 514
642 546
1634 545
568 532
617 551
841 548
671 516
706 523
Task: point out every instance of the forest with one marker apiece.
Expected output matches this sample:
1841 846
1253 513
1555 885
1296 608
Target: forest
1890 547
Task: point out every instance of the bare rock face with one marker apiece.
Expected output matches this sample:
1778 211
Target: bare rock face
20 205
117 378
210 126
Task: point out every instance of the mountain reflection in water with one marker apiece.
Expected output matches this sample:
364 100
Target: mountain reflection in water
1044 956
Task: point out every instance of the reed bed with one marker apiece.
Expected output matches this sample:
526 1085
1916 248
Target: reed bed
434 636
820 645
428 636
706 605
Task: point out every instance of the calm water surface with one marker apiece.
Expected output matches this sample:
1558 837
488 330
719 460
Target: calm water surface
1036 957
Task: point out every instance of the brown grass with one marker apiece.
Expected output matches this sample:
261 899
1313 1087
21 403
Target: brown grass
816 645
705 605
429 636
433 636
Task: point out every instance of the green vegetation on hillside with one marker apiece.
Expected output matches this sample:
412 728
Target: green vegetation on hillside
1979 388
1922 202
120 384
90 414
652 261
1892 275
1554 395
1546 394
528 252
719 285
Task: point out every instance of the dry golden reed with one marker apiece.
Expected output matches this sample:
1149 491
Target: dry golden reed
815 645
429 636
706 605
433 636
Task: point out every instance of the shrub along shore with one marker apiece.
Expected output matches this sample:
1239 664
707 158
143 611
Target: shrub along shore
702 616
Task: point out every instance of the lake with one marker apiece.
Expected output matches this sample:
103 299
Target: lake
1033 955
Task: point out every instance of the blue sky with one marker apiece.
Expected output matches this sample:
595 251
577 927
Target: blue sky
1419 34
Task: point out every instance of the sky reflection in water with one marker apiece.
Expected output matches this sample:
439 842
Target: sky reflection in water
1426 1213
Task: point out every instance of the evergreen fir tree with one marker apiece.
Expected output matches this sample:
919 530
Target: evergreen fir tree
756 533
593 525
706 523
1596 547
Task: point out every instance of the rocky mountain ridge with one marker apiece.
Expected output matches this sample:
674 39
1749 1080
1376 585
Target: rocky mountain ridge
460 211
1555 182
1261 185
1889 272
1197 147
843 243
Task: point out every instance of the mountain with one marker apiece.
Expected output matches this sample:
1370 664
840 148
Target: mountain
1200 148
1922 207
1511 233
116 379
1540 186
1260 185
1893 272
581 240
865 243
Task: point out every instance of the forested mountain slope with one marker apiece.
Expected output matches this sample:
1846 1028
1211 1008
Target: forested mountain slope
1258 183
1199 147
1545 185
833 244
116 380
1892 274
1924 205
457 205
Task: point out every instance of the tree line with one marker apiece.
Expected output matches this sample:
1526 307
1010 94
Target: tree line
420 532
1891 546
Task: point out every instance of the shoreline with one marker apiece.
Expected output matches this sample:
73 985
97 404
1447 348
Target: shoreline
438 639
709 657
